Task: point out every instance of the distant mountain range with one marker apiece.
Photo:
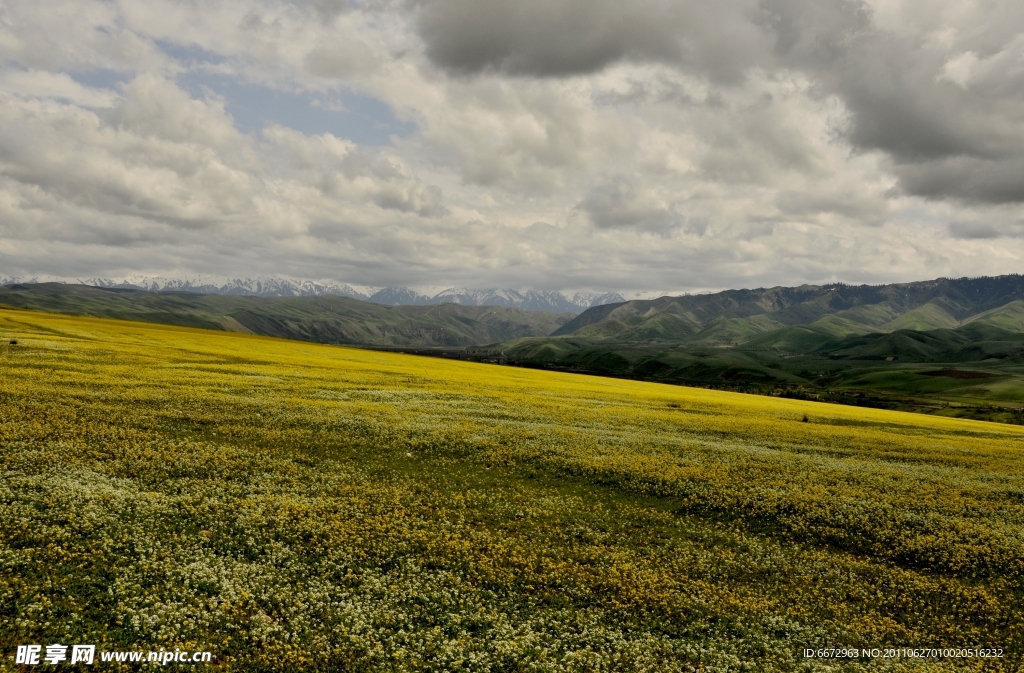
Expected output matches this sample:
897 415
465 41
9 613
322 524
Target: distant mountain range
775 317
324 319
528 300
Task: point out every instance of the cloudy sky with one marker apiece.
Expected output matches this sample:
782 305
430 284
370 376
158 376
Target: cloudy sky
642 146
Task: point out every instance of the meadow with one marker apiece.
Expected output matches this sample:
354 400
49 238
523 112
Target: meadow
299 507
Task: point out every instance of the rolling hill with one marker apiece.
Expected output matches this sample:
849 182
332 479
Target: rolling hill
736 316
323 319
944 320
871 346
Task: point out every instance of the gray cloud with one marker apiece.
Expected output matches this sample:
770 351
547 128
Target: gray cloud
812 33
966 177
656 145
901 104
327 10
950 121
568 37
995 225
895 86
849 203
975 230
624 204
946 141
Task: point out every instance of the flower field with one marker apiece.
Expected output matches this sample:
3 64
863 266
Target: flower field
296 507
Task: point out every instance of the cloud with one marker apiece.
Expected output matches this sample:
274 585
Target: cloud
156 107
812 34
972 179
623 204
949 120
341 171
43 84
850 204
571 37
73 36
995 225
919 101
339 61
656 145
153 156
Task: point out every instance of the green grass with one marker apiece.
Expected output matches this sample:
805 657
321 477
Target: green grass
927 317
1009 317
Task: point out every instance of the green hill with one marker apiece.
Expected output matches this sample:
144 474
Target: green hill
932 315
324 319
870 346
1009 317
737 316
798 339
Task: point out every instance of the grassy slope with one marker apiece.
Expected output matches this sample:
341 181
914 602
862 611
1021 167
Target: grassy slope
301 507
634 344
727 317
325 319
927 317
1009 317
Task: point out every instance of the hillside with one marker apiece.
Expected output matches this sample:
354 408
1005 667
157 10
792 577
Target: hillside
736 316
982 365
323 319
294 507
870 354
870 346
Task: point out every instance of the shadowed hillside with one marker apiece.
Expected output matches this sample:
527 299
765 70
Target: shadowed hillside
735 316
324 319
870 346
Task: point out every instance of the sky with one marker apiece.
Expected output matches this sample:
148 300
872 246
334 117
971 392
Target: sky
644 146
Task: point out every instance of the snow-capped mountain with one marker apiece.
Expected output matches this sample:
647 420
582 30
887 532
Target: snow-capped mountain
260 286
529 300
398 296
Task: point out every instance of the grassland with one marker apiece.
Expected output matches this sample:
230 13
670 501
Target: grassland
832 359
293 506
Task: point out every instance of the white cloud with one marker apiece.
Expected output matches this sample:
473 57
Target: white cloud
959 68
55 85
669 144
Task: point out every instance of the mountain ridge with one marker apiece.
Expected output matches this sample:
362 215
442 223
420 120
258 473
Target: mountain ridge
739 314
323 319
551 301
